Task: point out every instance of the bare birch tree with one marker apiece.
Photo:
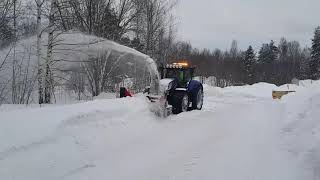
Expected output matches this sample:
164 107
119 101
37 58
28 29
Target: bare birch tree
48 81
39 4
14 61
152 22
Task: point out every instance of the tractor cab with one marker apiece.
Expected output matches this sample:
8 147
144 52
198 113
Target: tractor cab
181 72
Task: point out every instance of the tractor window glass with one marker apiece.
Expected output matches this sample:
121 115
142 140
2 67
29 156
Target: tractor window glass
188 75
174 73
180 76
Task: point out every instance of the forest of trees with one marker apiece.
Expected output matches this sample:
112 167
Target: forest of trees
147 26
277 64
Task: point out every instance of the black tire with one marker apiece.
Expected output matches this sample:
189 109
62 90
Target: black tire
197 100
180 102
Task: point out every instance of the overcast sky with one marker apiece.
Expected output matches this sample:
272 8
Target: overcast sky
215 23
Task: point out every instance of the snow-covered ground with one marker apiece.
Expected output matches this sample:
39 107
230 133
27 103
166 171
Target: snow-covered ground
241 134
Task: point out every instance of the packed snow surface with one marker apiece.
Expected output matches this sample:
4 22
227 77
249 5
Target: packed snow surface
241 134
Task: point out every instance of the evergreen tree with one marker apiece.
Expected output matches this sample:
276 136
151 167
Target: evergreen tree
273 51
264 53
283 49
268 53
304 63
315 55
248 64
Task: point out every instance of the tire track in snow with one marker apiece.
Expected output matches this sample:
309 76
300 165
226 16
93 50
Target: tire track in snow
19 149
189 166
78 120
77 170
92 117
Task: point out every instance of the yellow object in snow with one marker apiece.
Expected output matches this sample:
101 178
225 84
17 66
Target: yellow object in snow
279 94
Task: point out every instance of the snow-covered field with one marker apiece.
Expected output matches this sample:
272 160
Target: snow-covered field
241 134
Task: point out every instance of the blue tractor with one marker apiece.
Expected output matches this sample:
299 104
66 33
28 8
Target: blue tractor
179 92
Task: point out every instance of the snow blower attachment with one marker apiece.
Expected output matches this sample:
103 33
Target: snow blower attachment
177 92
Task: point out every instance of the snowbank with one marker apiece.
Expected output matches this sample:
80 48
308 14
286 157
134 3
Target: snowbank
212 91
302 126
256 90
21 128
106 96
264 90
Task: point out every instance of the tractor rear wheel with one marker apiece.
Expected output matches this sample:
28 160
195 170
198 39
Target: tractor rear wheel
180 102
198 100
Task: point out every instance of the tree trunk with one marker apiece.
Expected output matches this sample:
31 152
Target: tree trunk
40 72
48 76
14 90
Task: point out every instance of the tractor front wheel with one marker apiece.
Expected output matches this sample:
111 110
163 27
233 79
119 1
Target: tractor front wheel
181 102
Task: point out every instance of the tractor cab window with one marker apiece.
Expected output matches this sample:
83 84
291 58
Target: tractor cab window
183 75
188 75
174 73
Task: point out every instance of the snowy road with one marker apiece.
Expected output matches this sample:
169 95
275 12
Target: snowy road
237 135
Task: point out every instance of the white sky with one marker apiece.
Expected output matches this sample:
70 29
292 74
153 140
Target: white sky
215 23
